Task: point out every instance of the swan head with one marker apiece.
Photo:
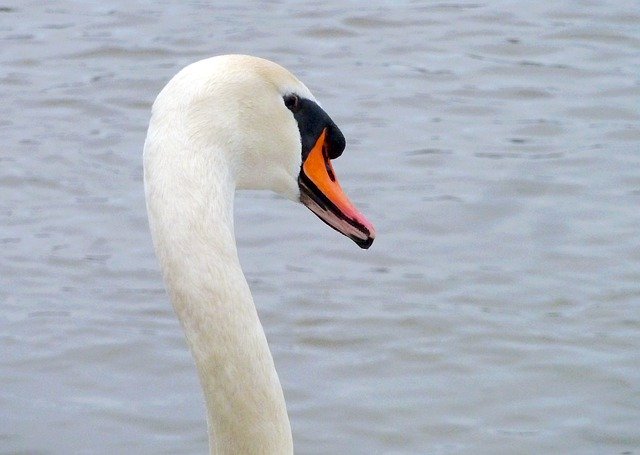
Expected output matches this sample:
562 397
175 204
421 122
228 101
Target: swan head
271 130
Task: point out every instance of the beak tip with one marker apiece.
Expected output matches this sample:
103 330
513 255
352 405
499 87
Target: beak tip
367 242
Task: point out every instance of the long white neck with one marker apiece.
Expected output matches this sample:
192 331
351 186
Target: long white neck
190 205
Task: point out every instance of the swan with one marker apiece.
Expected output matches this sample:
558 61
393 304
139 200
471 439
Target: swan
225 123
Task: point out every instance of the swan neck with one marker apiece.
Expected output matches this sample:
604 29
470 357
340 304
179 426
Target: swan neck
190 206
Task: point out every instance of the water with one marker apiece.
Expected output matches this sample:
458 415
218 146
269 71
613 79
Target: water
494 146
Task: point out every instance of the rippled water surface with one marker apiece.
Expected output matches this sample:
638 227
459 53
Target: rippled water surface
494 145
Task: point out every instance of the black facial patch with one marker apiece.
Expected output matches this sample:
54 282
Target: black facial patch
311 121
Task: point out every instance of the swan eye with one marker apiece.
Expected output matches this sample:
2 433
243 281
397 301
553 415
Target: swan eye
292 102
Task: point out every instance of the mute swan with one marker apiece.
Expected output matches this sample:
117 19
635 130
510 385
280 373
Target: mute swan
221 124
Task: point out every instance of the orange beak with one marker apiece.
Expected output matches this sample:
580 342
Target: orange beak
322 194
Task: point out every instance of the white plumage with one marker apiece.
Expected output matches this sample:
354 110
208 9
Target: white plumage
218 125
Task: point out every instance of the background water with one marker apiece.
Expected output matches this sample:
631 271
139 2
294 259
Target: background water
495 145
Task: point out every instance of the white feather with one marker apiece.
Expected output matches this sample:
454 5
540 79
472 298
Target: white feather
218 125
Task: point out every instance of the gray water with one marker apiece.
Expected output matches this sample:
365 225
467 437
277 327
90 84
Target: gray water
495 146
